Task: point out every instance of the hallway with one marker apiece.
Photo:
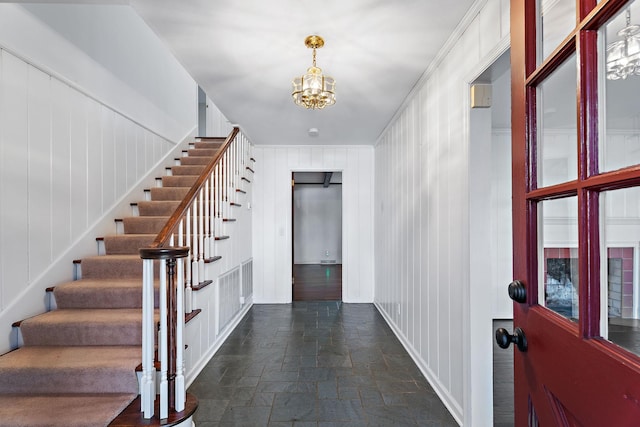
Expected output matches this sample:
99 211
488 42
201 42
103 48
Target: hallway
315 364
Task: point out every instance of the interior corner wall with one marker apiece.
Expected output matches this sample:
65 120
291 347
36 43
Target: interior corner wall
272 240
422 211
78 131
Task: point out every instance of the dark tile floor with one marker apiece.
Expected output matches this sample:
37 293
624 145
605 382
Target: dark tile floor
315 364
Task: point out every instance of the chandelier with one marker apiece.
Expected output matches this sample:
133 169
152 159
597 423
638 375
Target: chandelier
623 56
314 90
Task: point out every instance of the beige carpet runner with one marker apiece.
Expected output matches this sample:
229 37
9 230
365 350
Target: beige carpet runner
77 365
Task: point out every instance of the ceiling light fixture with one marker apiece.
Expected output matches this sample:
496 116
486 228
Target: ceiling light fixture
623 56
314 90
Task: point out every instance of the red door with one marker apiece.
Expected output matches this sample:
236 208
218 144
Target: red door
576 212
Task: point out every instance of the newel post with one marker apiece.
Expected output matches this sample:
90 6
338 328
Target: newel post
170 336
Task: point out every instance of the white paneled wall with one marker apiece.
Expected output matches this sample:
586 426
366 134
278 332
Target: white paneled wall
110 53
65 159
422 219
272 217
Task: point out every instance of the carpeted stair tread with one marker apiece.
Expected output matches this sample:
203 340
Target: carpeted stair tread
144 224
168 193
65 410
179 180
195 160
158 208
84 327
93 369
113 267
100 293
127 244
202 152
210 142
187 170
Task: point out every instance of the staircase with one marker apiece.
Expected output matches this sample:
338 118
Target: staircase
77 366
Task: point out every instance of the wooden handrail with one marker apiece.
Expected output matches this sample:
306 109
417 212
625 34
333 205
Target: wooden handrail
165 233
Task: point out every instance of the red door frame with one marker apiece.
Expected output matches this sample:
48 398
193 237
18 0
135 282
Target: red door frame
556 375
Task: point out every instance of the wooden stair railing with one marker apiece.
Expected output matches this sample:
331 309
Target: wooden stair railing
182 246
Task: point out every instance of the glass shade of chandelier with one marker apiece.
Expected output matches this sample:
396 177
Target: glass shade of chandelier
623 56
314 90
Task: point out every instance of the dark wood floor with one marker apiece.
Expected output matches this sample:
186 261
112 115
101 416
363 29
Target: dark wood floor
317 282
502 380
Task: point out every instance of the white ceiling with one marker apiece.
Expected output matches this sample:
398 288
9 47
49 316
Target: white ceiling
244 54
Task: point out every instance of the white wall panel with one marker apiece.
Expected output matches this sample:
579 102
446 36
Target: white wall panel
94 162
39 182
108 139
120 163
422 212
272 217
318 223
15 160
61 171
78 139
61 160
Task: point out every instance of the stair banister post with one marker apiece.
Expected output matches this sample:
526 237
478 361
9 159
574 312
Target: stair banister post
169 324
147 386
163 344
180 391
171 332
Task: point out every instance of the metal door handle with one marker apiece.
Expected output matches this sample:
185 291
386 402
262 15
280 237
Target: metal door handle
504 338
517 291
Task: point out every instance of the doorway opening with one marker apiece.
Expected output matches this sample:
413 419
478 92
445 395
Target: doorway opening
491 221
317 236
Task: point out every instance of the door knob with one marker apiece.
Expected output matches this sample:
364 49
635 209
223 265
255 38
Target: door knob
517 291
504 338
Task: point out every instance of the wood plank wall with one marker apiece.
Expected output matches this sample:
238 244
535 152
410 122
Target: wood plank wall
422 211
65 159
272 217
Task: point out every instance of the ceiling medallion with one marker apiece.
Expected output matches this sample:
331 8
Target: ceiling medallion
314 90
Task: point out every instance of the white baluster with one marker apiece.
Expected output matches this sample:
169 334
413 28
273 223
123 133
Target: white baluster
207 215
195 279
216 214
227 177
211 216
200 236
188 296
180 393
163 350
147 386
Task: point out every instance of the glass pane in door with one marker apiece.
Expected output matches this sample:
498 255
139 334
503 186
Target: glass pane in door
620 56
557 126
556 19
618 261
558 256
